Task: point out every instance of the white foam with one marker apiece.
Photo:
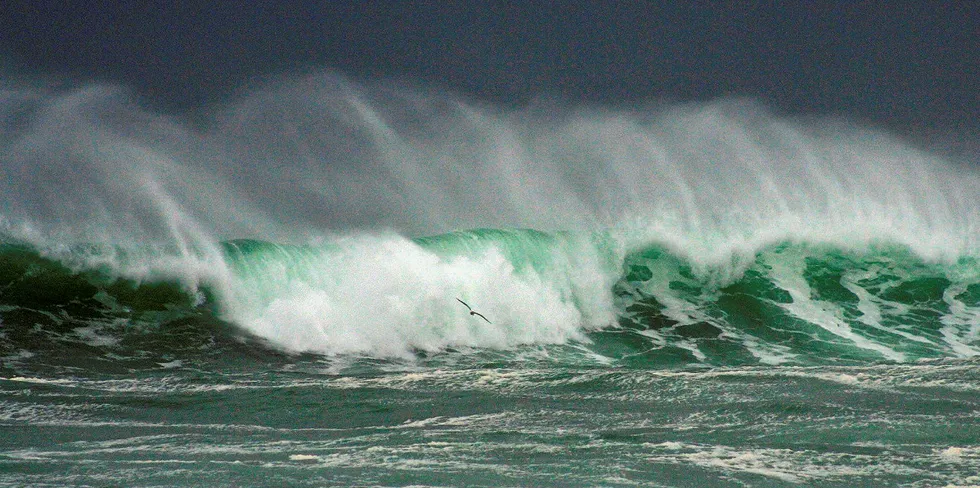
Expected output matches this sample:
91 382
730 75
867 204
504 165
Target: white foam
303 457
19 355
961 326
870 305
386 295
772 354
952 453
787 273
49 381
91 336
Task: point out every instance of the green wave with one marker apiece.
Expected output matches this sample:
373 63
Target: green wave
795 303
802 303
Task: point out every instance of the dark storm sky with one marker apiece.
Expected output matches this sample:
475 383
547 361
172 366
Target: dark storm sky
912 64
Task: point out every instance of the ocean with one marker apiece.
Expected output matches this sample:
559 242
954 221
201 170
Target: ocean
270 293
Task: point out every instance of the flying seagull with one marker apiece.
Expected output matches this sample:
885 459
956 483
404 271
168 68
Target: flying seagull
478 314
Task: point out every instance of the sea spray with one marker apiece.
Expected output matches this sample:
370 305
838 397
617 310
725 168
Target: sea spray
305 156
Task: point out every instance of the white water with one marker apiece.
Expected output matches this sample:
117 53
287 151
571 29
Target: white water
387 296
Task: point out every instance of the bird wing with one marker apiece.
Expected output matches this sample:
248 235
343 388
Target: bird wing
464 303
482 317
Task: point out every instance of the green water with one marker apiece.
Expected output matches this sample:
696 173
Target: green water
301 423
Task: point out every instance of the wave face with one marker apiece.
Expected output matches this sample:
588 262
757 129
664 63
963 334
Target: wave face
712 233
804 303
795 303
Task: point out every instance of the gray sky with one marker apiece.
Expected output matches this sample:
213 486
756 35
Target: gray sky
912 65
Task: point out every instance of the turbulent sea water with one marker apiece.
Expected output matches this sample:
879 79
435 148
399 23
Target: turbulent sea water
704 295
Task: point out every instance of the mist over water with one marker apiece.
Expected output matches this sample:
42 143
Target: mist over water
320 154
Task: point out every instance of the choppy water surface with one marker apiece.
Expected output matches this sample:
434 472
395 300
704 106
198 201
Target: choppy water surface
497 425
